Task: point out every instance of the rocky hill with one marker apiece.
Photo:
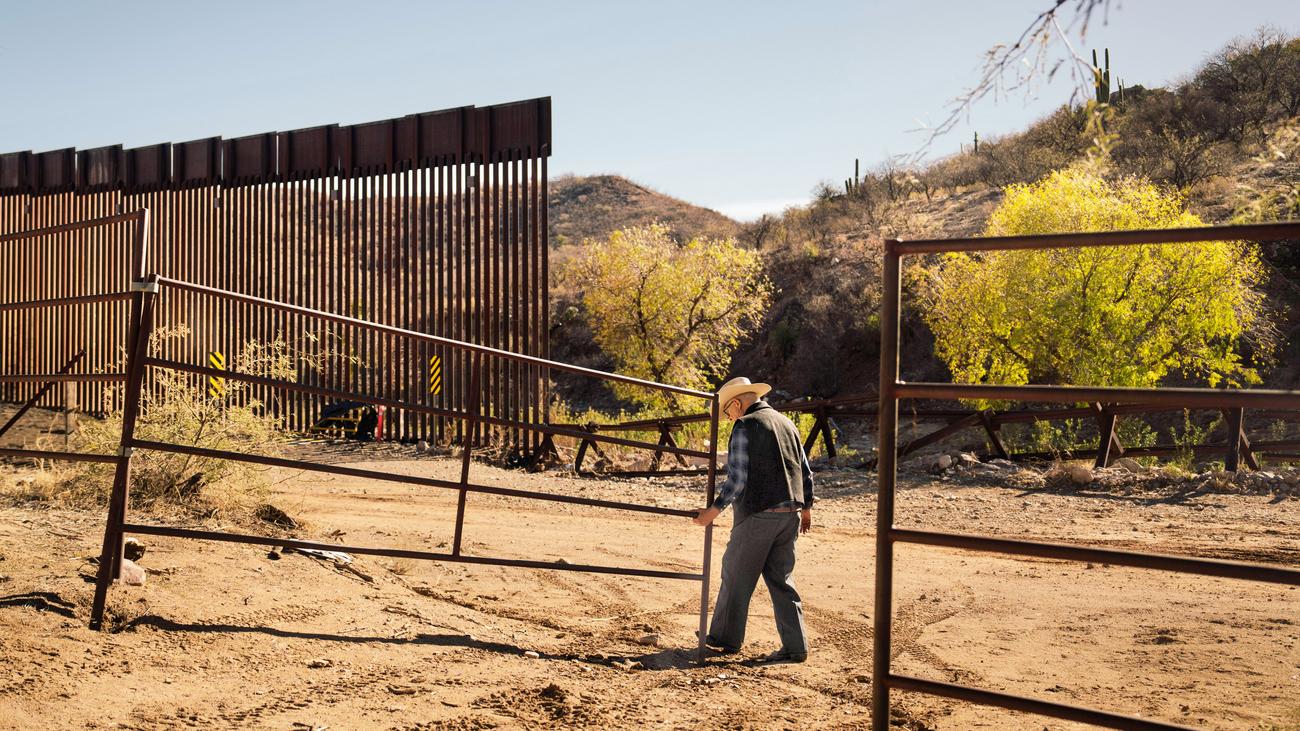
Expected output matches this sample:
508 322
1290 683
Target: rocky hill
594 206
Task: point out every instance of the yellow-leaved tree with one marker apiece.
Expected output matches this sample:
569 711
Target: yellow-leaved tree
670 312
1114 316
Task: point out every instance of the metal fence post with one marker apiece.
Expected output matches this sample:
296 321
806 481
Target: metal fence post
708 529
887 454
110 557
467 447
1105 436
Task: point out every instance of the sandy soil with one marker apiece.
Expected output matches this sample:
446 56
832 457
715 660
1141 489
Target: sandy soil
223 636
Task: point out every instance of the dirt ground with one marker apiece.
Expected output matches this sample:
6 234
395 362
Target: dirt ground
225 636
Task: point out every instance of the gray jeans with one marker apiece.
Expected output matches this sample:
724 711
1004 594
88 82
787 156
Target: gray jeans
762 544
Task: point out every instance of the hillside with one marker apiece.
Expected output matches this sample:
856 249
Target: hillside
1227 139
592 207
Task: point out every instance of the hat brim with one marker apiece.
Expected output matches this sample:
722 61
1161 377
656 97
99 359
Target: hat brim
730 392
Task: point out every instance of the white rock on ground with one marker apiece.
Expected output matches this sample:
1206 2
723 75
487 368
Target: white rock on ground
132 573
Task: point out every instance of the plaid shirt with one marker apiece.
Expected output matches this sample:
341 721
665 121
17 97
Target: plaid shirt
738 474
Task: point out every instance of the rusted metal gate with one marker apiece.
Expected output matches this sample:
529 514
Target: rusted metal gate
892 390
150 305
434 222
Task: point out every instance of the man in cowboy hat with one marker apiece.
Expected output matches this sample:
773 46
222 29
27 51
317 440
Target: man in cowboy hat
771 486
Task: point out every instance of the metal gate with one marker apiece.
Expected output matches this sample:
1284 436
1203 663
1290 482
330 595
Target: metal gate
893 390
151 300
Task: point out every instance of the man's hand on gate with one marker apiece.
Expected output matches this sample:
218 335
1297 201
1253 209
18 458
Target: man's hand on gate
805 520
706 516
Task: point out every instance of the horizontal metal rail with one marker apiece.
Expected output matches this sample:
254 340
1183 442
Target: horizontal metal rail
75 226
691 472
405 479
470 347
65 456
67 377
1192 398
157 530
433 410
1070 552
1029 705
64 301
1245 232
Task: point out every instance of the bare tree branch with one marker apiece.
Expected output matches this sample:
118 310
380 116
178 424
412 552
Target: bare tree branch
1020 65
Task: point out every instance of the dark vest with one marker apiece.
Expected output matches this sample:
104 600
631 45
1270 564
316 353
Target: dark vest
775 460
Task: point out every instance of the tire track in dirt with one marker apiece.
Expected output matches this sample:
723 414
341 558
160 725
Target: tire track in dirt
601 603
330 689
911 622
854 638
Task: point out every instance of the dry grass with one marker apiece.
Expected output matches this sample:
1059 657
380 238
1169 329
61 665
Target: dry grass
175 408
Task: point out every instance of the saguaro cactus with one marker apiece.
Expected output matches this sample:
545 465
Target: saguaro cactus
1101 77
851 184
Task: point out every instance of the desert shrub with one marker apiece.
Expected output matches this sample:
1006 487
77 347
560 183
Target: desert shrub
1189 434
784 337
1058 438
1119 316
1134 432
175 407
1253 80
1169 138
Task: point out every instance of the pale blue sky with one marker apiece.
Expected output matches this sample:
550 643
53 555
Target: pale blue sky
741 106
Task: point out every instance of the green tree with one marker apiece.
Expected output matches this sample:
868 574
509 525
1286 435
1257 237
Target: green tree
1116 316
671 312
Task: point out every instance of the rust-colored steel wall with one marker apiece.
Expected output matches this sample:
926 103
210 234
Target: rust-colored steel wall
433 222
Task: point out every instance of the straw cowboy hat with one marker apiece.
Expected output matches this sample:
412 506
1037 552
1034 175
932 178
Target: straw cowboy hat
737 386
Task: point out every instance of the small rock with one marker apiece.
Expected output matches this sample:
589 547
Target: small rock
275 516
941 462
532 654
132 573
401 690
562 562
320 662
966 459
554 692
1128 464
651 639
133 549
1078 474
1005 464
421 447
273 555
